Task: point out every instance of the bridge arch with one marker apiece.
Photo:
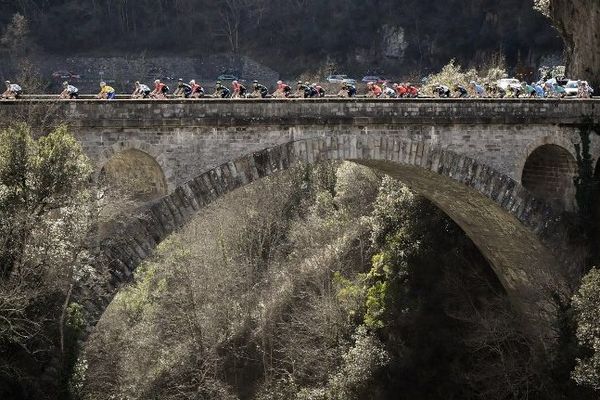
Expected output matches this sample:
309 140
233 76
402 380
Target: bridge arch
512 229
558 139
549 173
130 146
136 172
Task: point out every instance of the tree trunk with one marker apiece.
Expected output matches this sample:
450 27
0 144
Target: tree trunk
578 22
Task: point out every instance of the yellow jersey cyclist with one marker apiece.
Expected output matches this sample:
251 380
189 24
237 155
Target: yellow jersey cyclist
106 92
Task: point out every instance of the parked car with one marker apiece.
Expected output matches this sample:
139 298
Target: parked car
340 79
506 82
65 75
374 79
229 77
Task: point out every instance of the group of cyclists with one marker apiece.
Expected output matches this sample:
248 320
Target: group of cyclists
193 90
540 89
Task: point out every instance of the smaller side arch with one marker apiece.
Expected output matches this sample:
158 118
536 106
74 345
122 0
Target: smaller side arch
558 140
136 172
549 174
151 151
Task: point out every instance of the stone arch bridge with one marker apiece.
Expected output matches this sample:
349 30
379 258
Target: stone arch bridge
502 169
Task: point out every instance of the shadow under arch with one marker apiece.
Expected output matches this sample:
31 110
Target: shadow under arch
137 172
512 229
549 173
131 146
130 179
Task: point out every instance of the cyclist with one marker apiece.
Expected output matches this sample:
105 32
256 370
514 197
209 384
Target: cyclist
528 89
513 91
259 91
584 91
183 89
559 90
461 91
400 90
347 90
283 90
498 91
238 89
141 90
69 91
13 91
478 89
373 90
388 92
302 90
539 90
441 91
106 92
411 91
318 89
197 90
221 91
160 90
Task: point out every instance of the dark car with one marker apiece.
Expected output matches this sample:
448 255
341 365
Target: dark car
229 77
374 79
65 75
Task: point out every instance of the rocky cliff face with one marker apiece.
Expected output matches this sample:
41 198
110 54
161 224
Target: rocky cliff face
578 22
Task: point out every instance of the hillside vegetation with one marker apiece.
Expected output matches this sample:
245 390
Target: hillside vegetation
322 283
292 36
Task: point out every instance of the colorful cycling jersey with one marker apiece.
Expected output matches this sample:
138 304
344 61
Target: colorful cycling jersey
351 90
389 92
479 89
71 89
262 89
160 87
376 90
187 89
539 90
238 88
197 88
529 89
107 89
462 91
144 88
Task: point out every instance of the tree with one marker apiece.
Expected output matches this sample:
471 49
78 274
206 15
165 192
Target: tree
587 309
45 217
19 45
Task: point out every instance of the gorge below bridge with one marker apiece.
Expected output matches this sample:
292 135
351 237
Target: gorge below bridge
502 169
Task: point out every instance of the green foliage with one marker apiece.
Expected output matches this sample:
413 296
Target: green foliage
46 213
587 308
320 284
138 299
360 365
375 305
75 317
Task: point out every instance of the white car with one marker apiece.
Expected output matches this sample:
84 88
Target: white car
572 88
341 79
506 82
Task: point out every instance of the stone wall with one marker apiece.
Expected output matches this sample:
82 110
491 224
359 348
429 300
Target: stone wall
467 156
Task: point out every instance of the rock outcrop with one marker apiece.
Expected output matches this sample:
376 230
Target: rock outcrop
578 22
